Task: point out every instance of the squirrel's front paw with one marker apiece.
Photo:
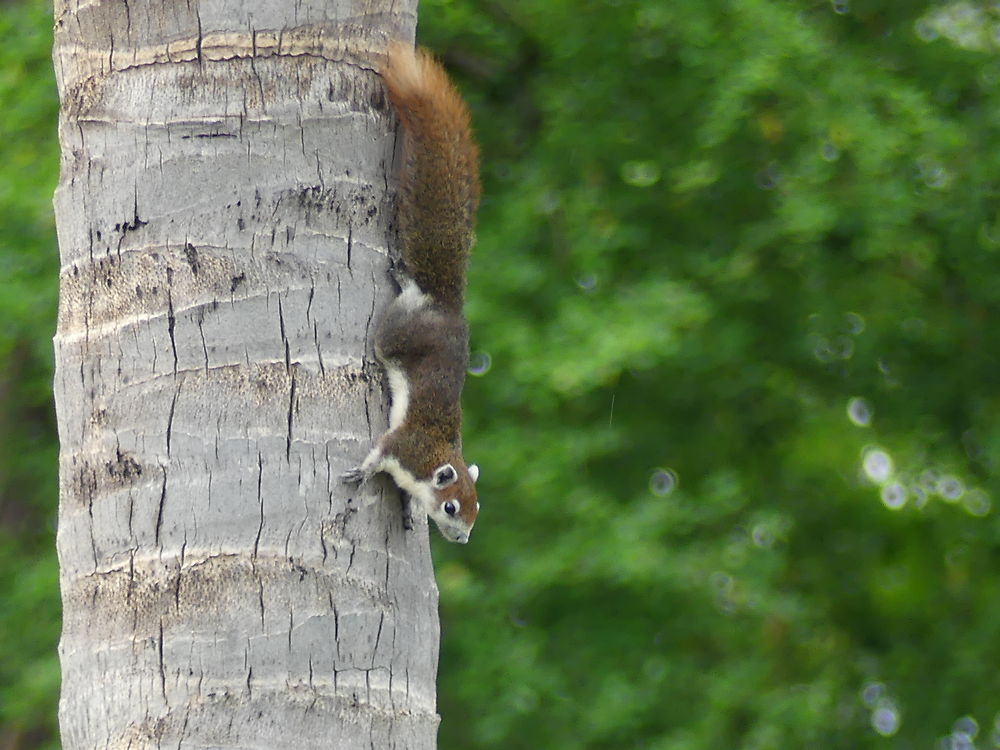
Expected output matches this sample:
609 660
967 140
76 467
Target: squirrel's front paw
357 475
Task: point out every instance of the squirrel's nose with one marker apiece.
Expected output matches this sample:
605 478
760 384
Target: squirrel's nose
461 537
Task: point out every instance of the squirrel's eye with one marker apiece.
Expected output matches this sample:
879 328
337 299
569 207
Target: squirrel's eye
450 507
445 475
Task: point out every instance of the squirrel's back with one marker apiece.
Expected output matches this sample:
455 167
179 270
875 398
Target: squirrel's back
439 180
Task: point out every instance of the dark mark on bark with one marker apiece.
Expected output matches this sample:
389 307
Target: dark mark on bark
159 512
208 135
260 501
124 468
170 419
191 256
284 338
350 245
130 226
171 323
291 412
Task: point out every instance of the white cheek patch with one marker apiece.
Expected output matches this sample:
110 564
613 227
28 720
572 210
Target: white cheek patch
474 472
407 482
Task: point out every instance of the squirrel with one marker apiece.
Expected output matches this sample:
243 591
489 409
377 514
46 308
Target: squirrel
422 340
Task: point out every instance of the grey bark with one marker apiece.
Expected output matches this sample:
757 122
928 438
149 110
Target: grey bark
223 215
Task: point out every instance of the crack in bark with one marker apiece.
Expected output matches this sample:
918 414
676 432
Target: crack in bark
329 493
350 245
159 510
163 671
204 345
336 623
284 337
371 315
131 512
260 502
291 412
319 352
170 418
201 38
368 419
378 637
171 323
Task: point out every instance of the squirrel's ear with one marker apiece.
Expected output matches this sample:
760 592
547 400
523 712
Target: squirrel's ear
444 475
474 472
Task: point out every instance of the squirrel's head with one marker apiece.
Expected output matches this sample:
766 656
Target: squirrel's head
453 505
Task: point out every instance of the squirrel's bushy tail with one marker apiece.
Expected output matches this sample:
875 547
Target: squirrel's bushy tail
439 181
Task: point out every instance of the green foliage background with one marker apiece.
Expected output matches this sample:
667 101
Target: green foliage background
734 302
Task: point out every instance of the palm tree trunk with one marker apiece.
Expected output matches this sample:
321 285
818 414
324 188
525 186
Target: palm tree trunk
223 216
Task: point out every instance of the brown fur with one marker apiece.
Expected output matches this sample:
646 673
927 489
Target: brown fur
439 181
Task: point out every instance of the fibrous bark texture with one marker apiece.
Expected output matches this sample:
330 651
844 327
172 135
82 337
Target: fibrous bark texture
223 216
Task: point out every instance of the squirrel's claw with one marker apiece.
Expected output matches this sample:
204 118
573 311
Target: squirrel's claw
355 475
